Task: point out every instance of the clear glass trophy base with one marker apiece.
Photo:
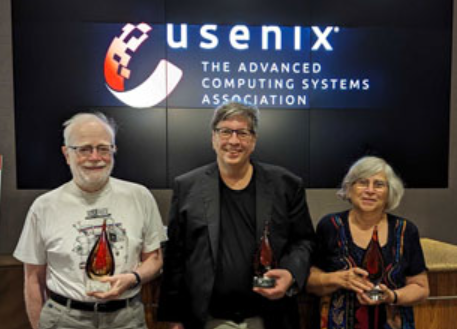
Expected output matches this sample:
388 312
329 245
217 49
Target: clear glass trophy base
264 282
375 294
97 286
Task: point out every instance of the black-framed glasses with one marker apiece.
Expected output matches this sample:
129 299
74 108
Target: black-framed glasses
226 133
87 150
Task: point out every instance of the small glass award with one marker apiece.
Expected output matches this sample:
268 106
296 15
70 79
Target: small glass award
373 263
100 263
264 261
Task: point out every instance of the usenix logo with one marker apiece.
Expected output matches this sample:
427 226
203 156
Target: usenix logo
162 81
166 76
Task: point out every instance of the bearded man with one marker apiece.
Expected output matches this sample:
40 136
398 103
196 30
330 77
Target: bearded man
93 220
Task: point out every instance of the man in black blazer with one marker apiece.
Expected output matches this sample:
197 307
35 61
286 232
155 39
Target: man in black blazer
218 216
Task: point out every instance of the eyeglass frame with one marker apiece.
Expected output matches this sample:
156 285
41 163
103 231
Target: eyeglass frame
77 149
364 183
250 133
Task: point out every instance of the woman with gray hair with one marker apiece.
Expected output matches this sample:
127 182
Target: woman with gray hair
369 267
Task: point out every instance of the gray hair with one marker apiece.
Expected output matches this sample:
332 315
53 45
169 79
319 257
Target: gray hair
369 166
87 117
232 109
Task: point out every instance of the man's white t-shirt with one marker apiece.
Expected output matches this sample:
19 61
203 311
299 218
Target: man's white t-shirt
62 226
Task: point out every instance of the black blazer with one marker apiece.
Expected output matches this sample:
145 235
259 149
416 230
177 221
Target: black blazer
191 251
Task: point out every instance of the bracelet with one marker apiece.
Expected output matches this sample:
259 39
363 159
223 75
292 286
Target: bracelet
394 302
138 280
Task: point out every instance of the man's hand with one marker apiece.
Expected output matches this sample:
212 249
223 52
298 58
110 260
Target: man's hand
284 280
119 284
175 325
34 290
150 266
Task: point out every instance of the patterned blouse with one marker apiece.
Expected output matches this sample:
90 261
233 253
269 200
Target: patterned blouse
403 257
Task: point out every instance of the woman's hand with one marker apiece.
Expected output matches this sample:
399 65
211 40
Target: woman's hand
415 291
322 283
355 279
388 297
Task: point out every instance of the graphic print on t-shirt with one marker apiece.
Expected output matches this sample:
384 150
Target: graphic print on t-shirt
90 228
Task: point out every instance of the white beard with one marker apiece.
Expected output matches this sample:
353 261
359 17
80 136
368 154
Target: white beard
90 181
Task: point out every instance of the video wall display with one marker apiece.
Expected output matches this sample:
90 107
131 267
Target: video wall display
333 83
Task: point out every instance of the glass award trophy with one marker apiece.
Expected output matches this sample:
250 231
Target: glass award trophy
264 261
100 263
373 263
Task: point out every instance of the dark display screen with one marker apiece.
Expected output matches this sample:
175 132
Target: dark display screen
333 83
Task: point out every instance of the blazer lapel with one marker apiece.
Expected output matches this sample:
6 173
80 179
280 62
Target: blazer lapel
264 200
211 199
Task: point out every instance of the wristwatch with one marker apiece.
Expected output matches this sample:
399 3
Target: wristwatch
138 280
293 289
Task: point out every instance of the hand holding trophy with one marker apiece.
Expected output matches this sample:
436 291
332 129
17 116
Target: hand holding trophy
373 263
264 261
100 263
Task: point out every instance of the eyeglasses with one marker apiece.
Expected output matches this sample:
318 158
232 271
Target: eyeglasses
87 150
226 133
378 185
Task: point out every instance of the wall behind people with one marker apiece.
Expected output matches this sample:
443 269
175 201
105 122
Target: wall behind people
434 210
